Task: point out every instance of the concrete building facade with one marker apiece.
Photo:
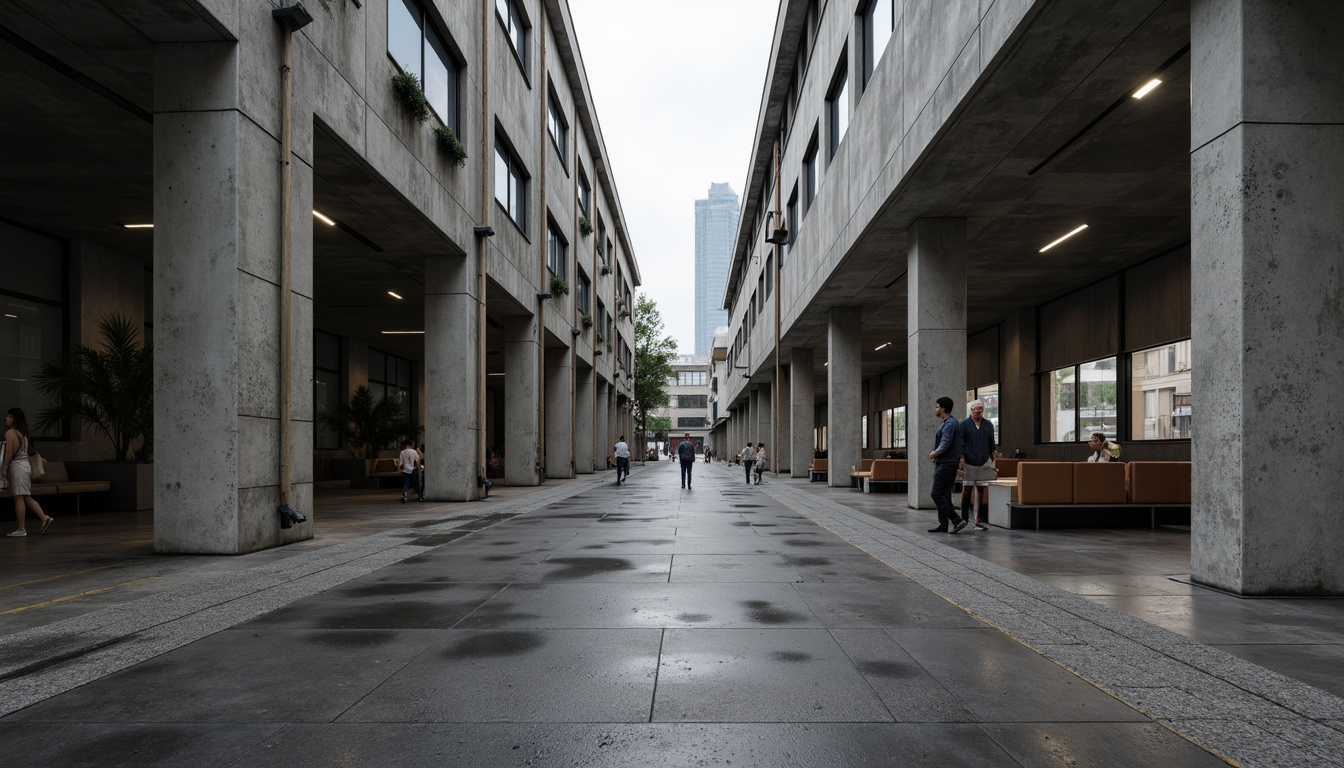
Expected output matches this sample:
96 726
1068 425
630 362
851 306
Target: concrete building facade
262 200
715 227
1116 217
688 400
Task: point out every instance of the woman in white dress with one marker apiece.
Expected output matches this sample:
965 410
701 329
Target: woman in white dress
20 473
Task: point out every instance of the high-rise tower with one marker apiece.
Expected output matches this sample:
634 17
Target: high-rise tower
715 229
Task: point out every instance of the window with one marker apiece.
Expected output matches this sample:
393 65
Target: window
837 106
417 47
514 29
327 394
585 195
791 217
769 274
32 329
989 395
691 378
810 175
390 377
1079 400
1160 392
601 233
557 127
760 292
601 318
692 401
891 428
691 421
511 185
865 433
557 260
877 25
583 292
819 438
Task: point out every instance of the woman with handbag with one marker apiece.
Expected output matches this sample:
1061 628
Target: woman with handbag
17 468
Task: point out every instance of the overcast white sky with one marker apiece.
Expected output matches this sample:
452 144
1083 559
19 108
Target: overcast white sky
677 86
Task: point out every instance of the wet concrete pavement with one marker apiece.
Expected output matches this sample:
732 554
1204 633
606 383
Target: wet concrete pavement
641 623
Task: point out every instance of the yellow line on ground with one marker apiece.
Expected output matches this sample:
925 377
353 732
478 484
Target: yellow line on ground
21 609
60 576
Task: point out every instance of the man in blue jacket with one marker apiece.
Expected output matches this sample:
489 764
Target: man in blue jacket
946 455
686 452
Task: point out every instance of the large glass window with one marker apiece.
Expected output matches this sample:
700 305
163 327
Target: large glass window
557 127
810 176
515 28
865 433
691 421
791 217
326 387
32 318
1160 392
511 185
877 26
692 401
556 250
691 378
583 292
837 107
1078 401
417 47
585 195
989 395
390 376
891 428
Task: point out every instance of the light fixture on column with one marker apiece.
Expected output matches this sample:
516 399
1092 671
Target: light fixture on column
295 16
575 332
780 236
543 296
486 231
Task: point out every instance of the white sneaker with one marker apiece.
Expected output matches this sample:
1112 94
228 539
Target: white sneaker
17 533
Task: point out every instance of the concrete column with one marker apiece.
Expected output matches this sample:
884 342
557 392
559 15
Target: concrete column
1267 234
451 428
802 410
937 341
764 430
844 394
584 396
559 412
521 401
605 442
783 462
217 302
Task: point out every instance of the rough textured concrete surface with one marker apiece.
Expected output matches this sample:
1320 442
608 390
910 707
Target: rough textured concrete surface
844 402
802 410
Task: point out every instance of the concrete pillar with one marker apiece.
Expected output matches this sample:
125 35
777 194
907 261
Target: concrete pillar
521 401
451 428
604 443
217 303
1267 234
844 394
937 342
764 430
584 396
559 412
783 462
802 410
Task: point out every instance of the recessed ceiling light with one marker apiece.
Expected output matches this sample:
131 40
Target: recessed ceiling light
495 374
138 226
1062 239
394 294
1147 88
16 317
884 346
324 219
403 333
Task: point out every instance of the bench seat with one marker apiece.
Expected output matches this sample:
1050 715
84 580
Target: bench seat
56 482
888 475
817 470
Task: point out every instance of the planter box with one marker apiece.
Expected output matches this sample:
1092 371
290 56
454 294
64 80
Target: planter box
132 482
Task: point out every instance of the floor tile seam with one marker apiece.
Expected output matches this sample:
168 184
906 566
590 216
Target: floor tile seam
258 745
839 510
303 564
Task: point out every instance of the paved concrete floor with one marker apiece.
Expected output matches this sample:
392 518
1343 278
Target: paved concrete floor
585 624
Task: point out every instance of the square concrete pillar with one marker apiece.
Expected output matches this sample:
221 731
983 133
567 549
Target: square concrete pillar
522 401
559 412
217 303
936 367
764 429
783 450
1267 318
844 395
802 411
451 379
754 409
605 443
585 395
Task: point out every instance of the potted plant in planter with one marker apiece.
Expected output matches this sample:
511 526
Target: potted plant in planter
558 286
366 427
451 146
586 318
606 270
406 85
111 391
585 225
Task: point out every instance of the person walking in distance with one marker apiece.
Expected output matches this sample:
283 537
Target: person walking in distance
409 464
760 461
686 453
622 460
19 472
946 455
977 463
748 458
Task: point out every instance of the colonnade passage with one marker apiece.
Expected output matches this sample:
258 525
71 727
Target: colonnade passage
594 624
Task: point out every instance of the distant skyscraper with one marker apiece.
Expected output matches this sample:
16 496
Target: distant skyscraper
715 230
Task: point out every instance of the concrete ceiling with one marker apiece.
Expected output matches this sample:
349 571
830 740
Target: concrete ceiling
1118 164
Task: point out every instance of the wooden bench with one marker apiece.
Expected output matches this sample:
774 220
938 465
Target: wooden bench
817 470
888 474
1146 486
56 482
865 469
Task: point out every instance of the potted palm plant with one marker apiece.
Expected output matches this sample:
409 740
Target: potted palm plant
365 427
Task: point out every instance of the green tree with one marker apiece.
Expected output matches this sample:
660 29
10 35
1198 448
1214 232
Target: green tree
368 427
109 389
654 351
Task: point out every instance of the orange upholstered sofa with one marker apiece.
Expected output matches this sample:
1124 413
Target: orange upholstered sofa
1147 485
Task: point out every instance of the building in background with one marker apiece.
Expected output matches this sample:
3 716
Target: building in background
687 407
715 229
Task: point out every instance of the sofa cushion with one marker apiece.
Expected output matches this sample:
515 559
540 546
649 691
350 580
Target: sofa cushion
819 465
1098 483
1045 482
890 470
1007 467
1159 482
55 473
865 465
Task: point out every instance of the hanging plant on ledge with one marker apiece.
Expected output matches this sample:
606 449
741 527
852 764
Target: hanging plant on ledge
559 287
606 270
625 313
451 146
586 318
407 88
585 226
599 339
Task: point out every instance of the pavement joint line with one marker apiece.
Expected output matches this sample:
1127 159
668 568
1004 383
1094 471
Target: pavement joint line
45 661
1218 701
